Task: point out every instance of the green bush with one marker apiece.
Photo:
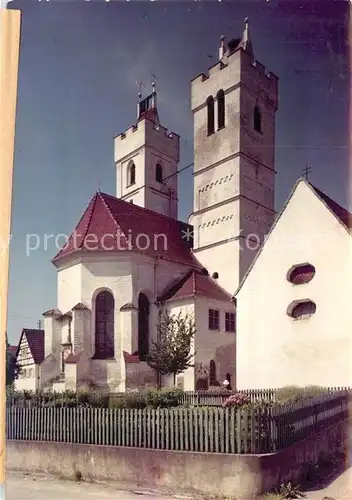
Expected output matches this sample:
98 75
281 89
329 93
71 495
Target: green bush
163 398
130 400
293 393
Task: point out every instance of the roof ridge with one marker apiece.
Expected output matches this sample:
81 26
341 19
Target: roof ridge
145 209
110 212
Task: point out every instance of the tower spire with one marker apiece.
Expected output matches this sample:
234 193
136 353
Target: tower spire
246 38
222 47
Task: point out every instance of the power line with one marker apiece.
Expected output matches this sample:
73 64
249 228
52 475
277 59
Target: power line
179 171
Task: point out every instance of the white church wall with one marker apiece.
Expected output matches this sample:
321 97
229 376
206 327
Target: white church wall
69 287
273 349
218 259
217 345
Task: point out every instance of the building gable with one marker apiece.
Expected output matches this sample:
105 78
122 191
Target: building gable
296 221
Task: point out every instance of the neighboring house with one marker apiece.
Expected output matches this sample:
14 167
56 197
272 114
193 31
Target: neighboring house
293 307
29 356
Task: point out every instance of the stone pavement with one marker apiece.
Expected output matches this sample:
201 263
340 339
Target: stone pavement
40 487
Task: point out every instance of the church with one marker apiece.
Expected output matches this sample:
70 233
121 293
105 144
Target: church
129 256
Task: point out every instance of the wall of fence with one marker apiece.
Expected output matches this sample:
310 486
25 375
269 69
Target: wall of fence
212 429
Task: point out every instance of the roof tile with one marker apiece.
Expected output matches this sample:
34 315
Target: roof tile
111 224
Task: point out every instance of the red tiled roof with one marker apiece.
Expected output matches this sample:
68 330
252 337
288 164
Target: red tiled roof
111 224
340 212
130 358
12 349
79 306
35 339
73 358
195 283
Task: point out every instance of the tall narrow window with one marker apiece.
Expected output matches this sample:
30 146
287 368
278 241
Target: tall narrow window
131 174
213 319
210 112
104 325
221 109
257 119
143 326
212 373
229 322
158 173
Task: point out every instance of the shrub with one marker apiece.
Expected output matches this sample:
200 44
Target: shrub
237 400
163 398
130 400
293 393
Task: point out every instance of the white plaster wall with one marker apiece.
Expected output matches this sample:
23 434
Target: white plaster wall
273 349
217 184
223 259
69 285
217 345
29 378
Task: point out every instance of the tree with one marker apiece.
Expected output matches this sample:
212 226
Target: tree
12 367
171 353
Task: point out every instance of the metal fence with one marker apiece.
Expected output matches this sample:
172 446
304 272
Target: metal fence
212 429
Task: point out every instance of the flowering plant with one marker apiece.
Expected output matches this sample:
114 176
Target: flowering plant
237 400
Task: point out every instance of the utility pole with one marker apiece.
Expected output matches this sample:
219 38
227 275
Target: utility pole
10 29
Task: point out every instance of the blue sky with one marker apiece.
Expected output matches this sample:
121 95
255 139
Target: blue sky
79 63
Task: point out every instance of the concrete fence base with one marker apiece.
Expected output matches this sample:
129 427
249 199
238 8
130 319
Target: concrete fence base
211 474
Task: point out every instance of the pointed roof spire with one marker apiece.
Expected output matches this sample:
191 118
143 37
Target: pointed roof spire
222 49
246 42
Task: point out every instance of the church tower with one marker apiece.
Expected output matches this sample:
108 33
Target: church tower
234 108
146 158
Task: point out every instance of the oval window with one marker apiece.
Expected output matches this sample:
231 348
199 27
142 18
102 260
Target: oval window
301 274
302 310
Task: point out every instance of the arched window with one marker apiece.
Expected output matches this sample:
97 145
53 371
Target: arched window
212 373
221 109
210 117
158 172
131 174
257 119
104 325
143 326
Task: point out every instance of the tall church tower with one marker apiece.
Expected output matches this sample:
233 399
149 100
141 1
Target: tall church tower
234 110
146 158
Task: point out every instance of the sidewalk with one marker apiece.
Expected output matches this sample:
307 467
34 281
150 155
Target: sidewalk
340 489
40 487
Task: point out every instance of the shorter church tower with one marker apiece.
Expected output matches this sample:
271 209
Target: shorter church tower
146 158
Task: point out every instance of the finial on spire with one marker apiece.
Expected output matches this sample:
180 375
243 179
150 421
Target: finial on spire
153 83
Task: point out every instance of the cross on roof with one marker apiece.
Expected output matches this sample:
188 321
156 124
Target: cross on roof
307 171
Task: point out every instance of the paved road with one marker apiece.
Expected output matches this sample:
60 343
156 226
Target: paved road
21 487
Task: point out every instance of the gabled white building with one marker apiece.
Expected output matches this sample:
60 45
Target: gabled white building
293 306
